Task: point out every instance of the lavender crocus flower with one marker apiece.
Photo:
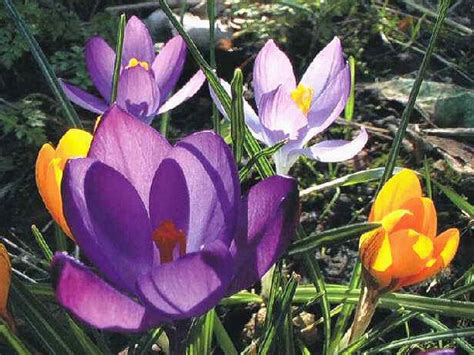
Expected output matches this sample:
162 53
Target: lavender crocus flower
165 226
298 113
145 80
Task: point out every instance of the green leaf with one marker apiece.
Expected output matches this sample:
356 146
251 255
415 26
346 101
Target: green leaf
349 109
359 177
12 340
237 119
459 201
118 57
48 254
223 338
200 341
144 347
331 236
424 338
44 65
243 173
397 142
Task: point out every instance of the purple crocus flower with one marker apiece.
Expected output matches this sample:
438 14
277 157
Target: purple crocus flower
165 226
145 80
298 113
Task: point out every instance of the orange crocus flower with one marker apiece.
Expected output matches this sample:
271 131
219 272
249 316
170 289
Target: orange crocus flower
49 170
5 278
405 249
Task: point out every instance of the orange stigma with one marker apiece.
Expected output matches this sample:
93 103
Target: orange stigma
167 237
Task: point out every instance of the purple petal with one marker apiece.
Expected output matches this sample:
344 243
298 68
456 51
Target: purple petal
189 286
324 67
280 117
168 65
83 98
214 189
272 68
329 104
108 220
131 147
268 220
138 94
251 119
94 301
186 92
169 197
100 60
337 150
137 42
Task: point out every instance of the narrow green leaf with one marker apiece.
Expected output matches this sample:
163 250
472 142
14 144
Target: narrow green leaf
331 236
456 199
243 173
360 177
397 142
223 338
424 338
11 339
118 57
237 119
426 172
61 238
44 65
349 110
48 254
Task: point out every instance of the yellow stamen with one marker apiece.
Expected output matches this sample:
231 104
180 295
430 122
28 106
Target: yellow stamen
302 96
134 62
167 237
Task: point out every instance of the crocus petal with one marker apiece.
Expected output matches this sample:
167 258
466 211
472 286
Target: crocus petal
268 219
137 42
280 116
75 143
5 278
337 150
214 189
445 247
83 98
169 197
329 104
138 94
422 218
103 211
100 60
272 68
186 92
189 286
400 188
94 301
251 119
131 147
324 68
168 65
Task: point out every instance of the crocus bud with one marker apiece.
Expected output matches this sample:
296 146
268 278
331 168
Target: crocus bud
49 170
405 249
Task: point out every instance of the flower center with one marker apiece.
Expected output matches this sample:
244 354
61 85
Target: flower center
134 62
302 96
167 237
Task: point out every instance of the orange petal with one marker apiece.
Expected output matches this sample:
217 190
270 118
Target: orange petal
445 247
45 155
5 277
75 143
397 190
375 255
422 218
410 252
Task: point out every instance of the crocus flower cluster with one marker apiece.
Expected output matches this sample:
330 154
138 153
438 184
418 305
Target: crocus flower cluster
146 79
165 226
5 278
299 112
49 170
406 249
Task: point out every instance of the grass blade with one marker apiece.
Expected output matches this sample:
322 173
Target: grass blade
12 340
331 236
397 142
456 199
349 109
44 65
237 119
48 254
223 338
118 57
243 173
